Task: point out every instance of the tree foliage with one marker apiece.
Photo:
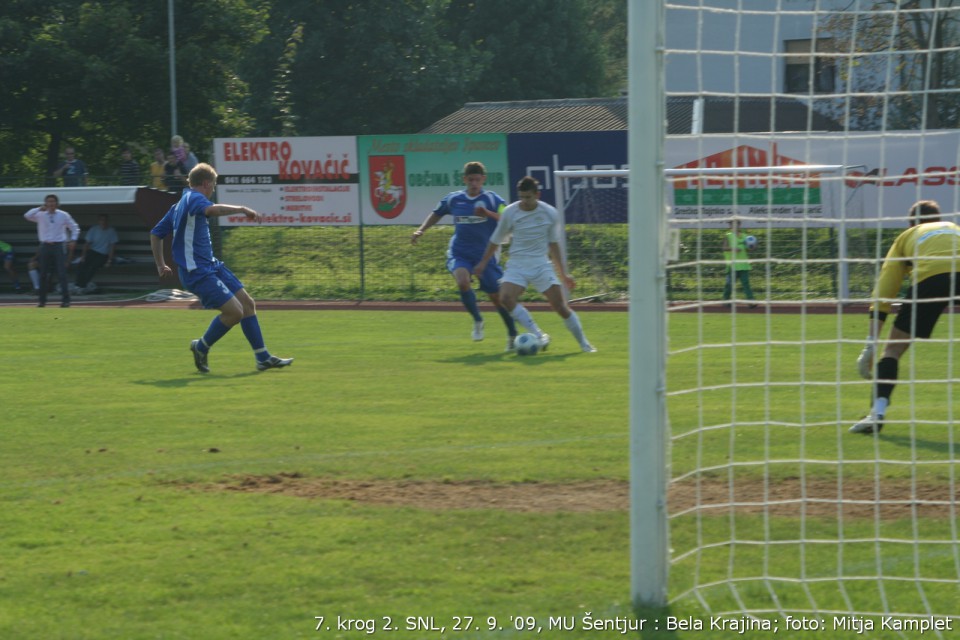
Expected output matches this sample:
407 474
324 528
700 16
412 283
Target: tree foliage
531 50
909 44
94 74
342 67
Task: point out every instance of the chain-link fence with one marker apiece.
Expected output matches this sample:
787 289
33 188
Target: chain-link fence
380 263
787 264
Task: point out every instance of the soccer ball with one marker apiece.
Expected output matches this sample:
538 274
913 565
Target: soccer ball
750 242
527 344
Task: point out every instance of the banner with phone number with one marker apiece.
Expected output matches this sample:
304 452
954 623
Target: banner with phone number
290 181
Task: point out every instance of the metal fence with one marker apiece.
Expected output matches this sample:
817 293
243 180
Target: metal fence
379 262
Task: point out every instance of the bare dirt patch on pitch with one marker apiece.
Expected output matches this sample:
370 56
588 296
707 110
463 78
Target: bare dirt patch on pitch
888 499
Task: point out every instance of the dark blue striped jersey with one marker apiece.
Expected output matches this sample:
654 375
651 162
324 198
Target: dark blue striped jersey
186 220
471 231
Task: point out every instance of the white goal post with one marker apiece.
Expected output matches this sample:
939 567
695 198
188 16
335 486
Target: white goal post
752 497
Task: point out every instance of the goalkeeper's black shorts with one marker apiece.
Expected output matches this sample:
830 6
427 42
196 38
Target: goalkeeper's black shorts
927 299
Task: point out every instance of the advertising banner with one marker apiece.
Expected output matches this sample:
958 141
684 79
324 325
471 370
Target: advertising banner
290 181
882 177
403 177
540 154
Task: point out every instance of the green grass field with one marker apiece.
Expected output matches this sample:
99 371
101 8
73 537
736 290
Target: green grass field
377 478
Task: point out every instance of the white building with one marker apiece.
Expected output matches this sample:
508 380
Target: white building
749 47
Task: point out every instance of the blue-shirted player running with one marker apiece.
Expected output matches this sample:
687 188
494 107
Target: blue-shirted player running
475 212
203 274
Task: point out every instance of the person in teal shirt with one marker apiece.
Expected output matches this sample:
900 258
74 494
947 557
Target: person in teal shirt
737 260
9 258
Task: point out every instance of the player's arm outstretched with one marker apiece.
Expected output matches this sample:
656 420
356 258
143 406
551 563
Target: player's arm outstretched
216 210
891 276
869 351
431 220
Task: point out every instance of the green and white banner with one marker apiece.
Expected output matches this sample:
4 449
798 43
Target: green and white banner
403 177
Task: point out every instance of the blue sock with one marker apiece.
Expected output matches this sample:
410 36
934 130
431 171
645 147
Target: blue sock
469 299
508 320
251 329
215 331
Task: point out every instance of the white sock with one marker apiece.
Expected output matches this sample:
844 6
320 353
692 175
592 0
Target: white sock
574 326
35 278
521 315
880 406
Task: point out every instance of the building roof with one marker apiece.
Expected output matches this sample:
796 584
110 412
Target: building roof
527 116
87 203
610 114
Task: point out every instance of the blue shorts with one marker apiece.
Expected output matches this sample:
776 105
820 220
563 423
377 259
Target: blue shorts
489 279
213 286
9 256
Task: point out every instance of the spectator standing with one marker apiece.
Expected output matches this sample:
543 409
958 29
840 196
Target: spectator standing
58 233
176 146
738 262
157 172
174 176
191 160
129 170
101 240
72 169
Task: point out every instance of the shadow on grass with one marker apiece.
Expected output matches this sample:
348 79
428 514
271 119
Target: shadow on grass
475 359
655 623
939 446
174 383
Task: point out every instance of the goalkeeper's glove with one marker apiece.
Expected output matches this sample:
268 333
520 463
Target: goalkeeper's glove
865 361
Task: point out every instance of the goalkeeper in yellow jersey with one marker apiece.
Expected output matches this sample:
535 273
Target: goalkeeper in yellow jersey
930 250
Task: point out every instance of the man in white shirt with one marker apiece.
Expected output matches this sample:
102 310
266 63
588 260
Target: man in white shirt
535 260
58 233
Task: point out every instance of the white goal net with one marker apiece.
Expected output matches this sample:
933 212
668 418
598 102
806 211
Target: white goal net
777 514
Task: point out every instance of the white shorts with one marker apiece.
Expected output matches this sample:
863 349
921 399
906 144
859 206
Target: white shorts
539 275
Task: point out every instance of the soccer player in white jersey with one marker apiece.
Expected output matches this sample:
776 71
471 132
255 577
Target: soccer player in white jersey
930 248
535 260
475 212
202 274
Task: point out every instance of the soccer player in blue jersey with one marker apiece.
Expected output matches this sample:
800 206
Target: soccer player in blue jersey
202 274
475 213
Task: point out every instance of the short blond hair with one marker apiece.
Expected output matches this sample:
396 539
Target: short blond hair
201 173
